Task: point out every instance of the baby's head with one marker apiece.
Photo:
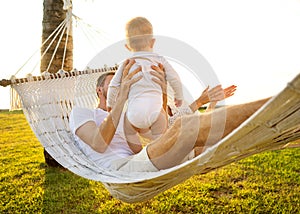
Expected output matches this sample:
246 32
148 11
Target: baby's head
139 34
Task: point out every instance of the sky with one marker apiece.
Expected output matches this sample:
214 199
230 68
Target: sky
253 44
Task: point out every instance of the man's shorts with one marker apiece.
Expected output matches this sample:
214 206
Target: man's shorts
136 163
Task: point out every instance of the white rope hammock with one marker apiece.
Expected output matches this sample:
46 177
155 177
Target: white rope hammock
47 102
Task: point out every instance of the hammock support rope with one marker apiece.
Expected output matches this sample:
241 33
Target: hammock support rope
47 103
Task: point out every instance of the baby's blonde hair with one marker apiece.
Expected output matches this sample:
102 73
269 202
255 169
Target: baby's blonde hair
139 33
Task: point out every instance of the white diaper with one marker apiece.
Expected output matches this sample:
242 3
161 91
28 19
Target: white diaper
142 113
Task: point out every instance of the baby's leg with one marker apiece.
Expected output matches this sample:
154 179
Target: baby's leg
132 136
160 125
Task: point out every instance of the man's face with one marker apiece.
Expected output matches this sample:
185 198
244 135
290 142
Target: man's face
106 84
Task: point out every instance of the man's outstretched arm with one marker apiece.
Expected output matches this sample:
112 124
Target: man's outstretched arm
100 137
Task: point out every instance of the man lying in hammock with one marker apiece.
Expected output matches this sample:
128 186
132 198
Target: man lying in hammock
100 134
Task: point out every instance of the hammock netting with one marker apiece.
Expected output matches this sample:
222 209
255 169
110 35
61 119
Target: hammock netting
48 101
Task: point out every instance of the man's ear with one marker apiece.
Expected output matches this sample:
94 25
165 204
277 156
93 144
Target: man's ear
152 43
128 48
99 91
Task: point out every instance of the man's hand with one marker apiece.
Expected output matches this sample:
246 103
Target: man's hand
159 77
127 79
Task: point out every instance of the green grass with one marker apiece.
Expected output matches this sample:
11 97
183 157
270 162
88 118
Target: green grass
265 183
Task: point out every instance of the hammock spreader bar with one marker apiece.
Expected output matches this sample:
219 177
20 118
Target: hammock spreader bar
58 75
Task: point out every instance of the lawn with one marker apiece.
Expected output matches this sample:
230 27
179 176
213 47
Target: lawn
265 183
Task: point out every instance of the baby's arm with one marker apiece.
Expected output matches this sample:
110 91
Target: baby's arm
112 94
174 80
113 88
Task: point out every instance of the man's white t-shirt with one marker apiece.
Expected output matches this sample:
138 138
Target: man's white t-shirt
118 148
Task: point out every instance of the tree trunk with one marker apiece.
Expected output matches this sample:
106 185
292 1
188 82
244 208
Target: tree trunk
53 15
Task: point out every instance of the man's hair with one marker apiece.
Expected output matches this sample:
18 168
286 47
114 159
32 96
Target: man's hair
139 32
102 77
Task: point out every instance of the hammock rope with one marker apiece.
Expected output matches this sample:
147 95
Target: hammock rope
69 27
94 36
47 104
57 35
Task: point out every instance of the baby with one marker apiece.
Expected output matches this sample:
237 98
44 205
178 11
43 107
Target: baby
144 114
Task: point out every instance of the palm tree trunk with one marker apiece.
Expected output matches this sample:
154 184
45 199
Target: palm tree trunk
53 15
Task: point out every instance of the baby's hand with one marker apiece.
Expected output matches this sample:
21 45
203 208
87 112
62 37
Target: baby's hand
178 103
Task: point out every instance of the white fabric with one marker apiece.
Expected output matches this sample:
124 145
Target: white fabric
118 147
145 96
142 113
136 163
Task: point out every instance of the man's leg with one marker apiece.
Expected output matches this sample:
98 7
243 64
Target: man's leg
217 124
160 125
193 131
132 136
